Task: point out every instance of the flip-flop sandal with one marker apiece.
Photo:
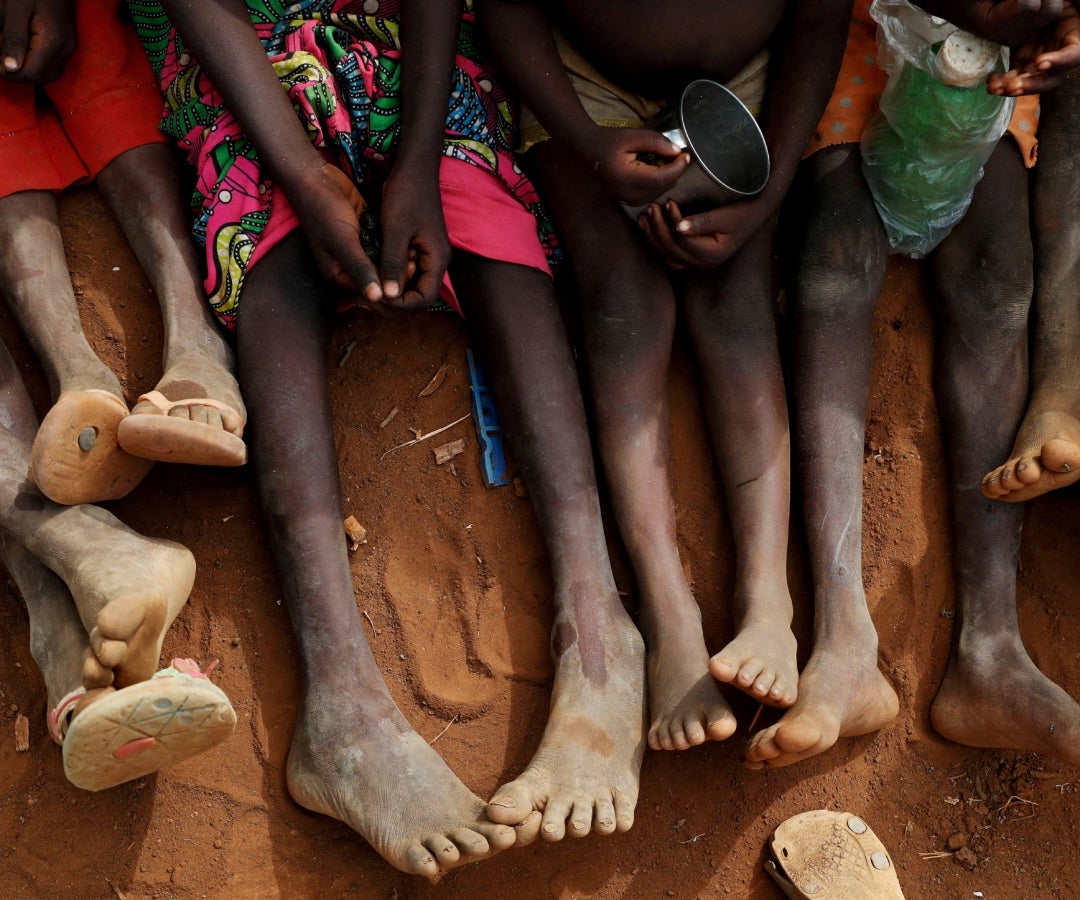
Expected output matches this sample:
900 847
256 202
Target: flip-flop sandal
76 457
158 436
140 729
826 855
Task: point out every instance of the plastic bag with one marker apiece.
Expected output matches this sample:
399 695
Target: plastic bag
923 151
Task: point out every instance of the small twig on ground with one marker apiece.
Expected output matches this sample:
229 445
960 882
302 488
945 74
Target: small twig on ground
424 437
757 715
374 630
446 729
1009 803
692 840
436 380
389 418
935 854
345 356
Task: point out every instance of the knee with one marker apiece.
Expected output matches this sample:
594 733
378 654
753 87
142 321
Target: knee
989 290
839 280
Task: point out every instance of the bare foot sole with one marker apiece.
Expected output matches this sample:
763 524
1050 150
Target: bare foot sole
120 735
1046 457
841 694
584 776
1008 704
128 588
685 703
76 457
760 661
397 792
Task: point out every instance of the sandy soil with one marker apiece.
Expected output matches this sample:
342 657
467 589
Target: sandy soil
453 582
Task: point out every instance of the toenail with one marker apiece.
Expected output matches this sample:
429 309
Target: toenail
87 437
551 828
504 802
578 826
1066 467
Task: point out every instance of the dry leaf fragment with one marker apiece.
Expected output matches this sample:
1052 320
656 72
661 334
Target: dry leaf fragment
22 733
355 533
436 381
448 451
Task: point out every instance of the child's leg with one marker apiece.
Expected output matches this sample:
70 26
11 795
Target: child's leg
629 316
732 325
584 775
992 694
353 755
841 262
1046 452
143 187
128 589
77 457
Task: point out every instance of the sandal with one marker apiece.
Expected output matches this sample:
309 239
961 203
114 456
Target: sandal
140 729
825 854
164 438
76 457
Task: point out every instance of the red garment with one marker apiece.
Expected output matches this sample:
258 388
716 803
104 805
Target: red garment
105 103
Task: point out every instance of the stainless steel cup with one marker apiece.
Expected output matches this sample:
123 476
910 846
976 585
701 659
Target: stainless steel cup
729 157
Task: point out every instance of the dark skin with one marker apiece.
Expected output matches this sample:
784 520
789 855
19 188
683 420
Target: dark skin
628 295
37 39
351 745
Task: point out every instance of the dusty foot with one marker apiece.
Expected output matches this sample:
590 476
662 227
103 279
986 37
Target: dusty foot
760 661
199 433
128 588
841 694
585 773
1045 457
1004 701
686 707
383 780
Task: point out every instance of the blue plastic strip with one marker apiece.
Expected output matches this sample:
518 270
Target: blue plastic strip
488 430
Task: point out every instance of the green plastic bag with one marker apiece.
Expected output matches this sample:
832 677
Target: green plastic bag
923 151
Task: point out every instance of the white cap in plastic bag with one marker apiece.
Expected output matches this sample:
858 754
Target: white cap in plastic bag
964 60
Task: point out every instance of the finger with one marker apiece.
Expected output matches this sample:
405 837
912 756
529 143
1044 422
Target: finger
647 141
1060 60
660 236
649 181
16 36
393 262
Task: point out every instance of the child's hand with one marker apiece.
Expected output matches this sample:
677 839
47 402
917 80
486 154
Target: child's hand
707 240
415 248
1041 65
615 155
38 37
329 208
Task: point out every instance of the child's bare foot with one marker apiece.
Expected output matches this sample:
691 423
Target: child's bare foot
169 425
1045 457
686 707
584 776
128 588
760 660
382 779
999 699
841 694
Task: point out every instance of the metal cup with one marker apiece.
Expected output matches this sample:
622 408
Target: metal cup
729 157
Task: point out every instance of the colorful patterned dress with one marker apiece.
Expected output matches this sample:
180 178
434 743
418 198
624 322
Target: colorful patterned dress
339 61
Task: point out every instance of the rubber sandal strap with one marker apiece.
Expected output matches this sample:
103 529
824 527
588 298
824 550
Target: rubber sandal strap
59 717
165 405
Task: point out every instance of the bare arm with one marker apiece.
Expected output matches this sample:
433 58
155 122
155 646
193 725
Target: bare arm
326 202
804 62
522 45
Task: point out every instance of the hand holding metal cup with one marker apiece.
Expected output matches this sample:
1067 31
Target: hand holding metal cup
729 157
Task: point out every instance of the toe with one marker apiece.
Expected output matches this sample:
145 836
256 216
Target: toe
94 673
1061 456
109 653
419 861
554 825
663 735
678 736
1009 481
498 837
654 736
749 672
443 850
723 669
529 830
510 805
694 730
470 843
721 724
580 819
604 817
624 812
1028 470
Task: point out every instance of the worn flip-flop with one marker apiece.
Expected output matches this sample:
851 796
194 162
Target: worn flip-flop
158 436
76 457
140 729
826 855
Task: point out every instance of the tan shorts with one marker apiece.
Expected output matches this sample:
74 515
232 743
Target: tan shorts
610 105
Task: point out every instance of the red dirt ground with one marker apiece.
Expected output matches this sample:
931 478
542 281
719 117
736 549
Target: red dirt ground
454 580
